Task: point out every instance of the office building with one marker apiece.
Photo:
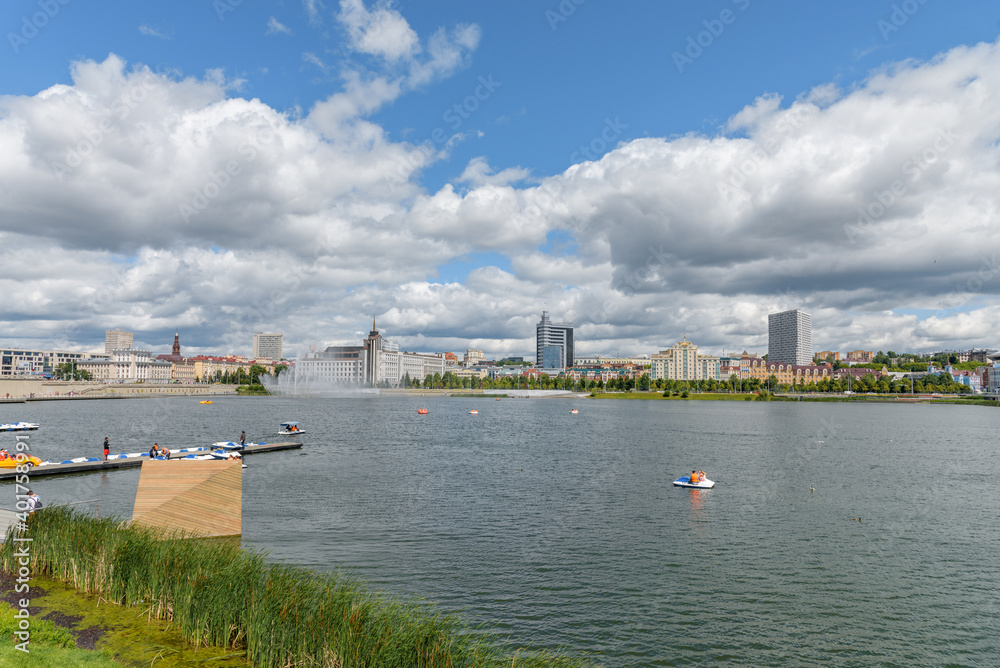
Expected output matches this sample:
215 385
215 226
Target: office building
376 362
24 362
267 345
548 334
117 339
789 337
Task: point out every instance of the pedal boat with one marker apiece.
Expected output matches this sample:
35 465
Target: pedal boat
686 482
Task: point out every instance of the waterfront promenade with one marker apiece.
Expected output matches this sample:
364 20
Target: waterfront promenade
19 390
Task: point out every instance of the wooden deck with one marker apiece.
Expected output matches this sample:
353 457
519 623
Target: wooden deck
204 498
90 467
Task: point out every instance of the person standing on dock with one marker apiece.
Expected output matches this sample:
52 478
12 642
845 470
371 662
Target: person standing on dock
107 448
243 438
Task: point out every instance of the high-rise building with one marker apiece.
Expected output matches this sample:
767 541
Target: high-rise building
117 339
548 333
789 337
267 345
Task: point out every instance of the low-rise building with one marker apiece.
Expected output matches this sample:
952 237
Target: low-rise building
612 360
682 362
787 374
129 365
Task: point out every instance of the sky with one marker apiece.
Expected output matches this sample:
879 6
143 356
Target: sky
644 170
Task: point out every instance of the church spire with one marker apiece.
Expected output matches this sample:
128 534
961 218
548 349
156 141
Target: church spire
177 344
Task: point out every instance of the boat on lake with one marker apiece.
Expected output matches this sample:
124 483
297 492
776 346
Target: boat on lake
704 483
233 445
14 460
473 412
19 426
290 429
421 411
575 411
205 402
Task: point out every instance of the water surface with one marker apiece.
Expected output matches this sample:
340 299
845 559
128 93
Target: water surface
563 530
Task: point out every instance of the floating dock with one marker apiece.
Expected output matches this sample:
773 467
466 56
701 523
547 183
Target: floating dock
95 464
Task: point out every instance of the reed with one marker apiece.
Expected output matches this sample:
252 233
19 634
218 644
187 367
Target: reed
218 594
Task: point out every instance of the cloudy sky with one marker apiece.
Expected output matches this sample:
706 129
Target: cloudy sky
644 170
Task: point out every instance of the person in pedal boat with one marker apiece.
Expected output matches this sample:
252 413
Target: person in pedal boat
694 478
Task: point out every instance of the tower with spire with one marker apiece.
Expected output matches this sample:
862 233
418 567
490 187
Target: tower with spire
177 344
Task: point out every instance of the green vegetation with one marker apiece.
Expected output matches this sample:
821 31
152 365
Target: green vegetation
49 645
250 389
215 593
68 371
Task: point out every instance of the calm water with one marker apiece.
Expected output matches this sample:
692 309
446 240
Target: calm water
564 530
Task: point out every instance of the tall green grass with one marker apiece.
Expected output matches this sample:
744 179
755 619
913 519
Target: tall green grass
219 594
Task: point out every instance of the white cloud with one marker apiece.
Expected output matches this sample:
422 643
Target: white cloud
313 8
478 172
274 27
321 215
381 31
152 32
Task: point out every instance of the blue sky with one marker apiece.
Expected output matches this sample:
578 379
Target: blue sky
560 77
543 90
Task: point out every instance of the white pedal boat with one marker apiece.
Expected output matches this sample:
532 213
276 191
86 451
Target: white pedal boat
686 482
19 426
234 445
290 429
217 455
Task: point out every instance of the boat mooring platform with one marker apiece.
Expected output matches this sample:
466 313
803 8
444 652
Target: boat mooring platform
95 464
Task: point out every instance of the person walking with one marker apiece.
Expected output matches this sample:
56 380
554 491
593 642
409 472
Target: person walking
107 448
34 502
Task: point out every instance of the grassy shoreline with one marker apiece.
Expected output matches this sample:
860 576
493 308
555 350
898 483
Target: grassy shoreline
218 594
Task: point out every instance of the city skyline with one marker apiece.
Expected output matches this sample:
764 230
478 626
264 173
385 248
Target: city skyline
226 171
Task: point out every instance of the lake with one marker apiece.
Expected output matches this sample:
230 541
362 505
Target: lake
563 531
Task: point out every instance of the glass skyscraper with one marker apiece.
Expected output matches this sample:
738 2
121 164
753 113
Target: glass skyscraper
552 335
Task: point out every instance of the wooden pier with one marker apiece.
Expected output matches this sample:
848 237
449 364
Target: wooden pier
134 462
